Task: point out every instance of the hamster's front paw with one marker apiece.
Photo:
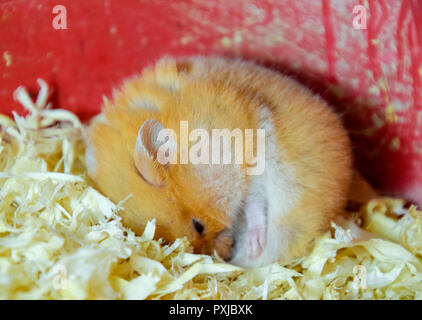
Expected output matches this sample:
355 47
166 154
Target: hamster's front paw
256 240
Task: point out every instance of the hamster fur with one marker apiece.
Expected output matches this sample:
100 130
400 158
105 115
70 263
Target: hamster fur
249 220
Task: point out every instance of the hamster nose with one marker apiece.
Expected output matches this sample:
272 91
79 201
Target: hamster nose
224 243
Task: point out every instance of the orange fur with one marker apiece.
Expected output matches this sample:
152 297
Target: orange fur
219 93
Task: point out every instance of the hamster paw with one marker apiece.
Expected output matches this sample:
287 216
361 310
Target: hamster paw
256 240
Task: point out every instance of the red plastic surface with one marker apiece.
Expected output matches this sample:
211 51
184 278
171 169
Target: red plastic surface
373 76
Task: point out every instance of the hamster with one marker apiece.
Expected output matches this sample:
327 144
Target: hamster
249 220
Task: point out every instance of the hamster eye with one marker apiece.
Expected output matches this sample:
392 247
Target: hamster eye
199 227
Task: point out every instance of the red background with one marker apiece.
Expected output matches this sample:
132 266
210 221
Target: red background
372 76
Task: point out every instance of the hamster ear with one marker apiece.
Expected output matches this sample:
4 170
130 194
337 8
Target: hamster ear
150 151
